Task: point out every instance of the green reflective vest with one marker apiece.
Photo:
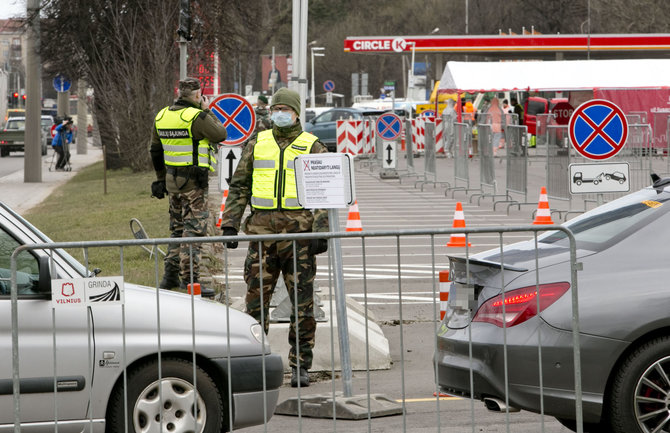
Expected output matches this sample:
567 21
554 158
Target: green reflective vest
274 174
179 147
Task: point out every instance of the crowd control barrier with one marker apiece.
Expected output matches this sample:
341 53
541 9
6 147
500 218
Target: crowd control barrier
387 396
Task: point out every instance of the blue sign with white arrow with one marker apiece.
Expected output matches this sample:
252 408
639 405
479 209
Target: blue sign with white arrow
61 83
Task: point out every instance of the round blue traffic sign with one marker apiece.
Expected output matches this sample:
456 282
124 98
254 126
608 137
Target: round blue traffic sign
328 85
61 83
388 126
237 115
428 113
598 129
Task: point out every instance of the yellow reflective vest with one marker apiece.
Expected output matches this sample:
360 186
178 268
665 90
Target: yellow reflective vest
179 147
274 174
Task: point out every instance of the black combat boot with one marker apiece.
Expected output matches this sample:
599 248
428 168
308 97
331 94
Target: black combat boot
205 292
170 281
301 376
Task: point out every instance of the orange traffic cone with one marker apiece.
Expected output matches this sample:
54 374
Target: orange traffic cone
223 207
543 214
458 239
354 219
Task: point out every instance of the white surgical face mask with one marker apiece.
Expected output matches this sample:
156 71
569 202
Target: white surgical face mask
282 118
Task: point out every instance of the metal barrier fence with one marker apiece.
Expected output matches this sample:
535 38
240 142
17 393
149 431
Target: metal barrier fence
176 363
462 149
516 175
487 177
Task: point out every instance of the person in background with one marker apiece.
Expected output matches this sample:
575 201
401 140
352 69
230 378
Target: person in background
183 153
263 121
265 180
518 110
61 143
505 107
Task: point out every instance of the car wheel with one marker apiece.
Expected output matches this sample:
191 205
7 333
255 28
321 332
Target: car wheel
607 177
621 181
639 399
596 182
579 182
178 411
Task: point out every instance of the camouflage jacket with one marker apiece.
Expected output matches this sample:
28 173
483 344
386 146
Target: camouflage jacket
263 121
239 193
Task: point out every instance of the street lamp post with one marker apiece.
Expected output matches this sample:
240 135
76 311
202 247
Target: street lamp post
311 96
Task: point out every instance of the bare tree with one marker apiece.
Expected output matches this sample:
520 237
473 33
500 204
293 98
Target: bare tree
126 51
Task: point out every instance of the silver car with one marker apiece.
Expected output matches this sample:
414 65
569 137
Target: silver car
90 356
624 311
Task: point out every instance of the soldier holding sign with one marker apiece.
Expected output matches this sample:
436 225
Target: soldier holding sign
265 180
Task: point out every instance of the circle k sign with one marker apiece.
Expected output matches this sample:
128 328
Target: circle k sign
598 129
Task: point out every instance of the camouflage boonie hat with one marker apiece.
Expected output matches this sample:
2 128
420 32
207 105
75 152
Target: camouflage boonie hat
189 83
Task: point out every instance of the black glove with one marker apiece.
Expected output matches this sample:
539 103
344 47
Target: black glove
158 189
318 246
229 231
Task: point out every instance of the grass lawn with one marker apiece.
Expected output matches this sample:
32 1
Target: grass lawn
81 211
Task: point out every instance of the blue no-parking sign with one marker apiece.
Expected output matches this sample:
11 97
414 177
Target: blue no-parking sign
388 126
237 115
598 129
328 85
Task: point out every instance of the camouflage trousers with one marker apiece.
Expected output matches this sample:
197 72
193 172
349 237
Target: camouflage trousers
188 218
277 257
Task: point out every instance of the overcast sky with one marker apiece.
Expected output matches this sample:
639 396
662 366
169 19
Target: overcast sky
12 8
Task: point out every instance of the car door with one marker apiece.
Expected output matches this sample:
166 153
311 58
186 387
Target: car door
323 126
42 333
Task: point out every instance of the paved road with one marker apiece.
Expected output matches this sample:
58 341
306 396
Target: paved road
394 205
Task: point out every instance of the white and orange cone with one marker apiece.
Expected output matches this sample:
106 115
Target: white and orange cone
543 214
458 239
223 207
444 293
354 219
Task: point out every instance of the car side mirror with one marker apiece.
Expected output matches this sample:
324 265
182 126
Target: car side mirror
44 283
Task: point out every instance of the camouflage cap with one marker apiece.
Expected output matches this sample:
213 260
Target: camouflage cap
189 83
263 99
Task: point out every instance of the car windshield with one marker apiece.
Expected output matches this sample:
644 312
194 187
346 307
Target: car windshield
15 124
535 107
47 122
608 224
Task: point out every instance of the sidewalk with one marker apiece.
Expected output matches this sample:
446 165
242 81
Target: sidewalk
22 196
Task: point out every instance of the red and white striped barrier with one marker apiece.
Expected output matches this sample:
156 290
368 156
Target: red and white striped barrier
444 293
223 207
368 137
439 137
349 136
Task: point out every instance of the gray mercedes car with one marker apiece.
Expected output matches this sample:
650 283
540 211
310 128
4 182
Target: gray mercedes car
140 364
522 347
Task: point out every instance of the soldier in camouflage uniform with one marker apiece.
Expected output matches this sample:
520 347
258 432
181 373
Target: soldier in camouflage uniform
274 209
183 153
263 120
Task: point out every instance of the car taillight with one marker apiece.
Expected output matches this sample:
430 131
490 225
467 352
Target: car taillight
520 304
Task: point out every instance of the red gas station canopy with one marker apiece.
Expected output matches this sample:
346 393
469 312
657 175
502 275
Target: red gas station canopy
624 44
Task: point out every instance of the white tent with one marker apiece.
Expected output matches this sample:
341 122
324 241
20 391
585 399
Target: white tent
555 75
